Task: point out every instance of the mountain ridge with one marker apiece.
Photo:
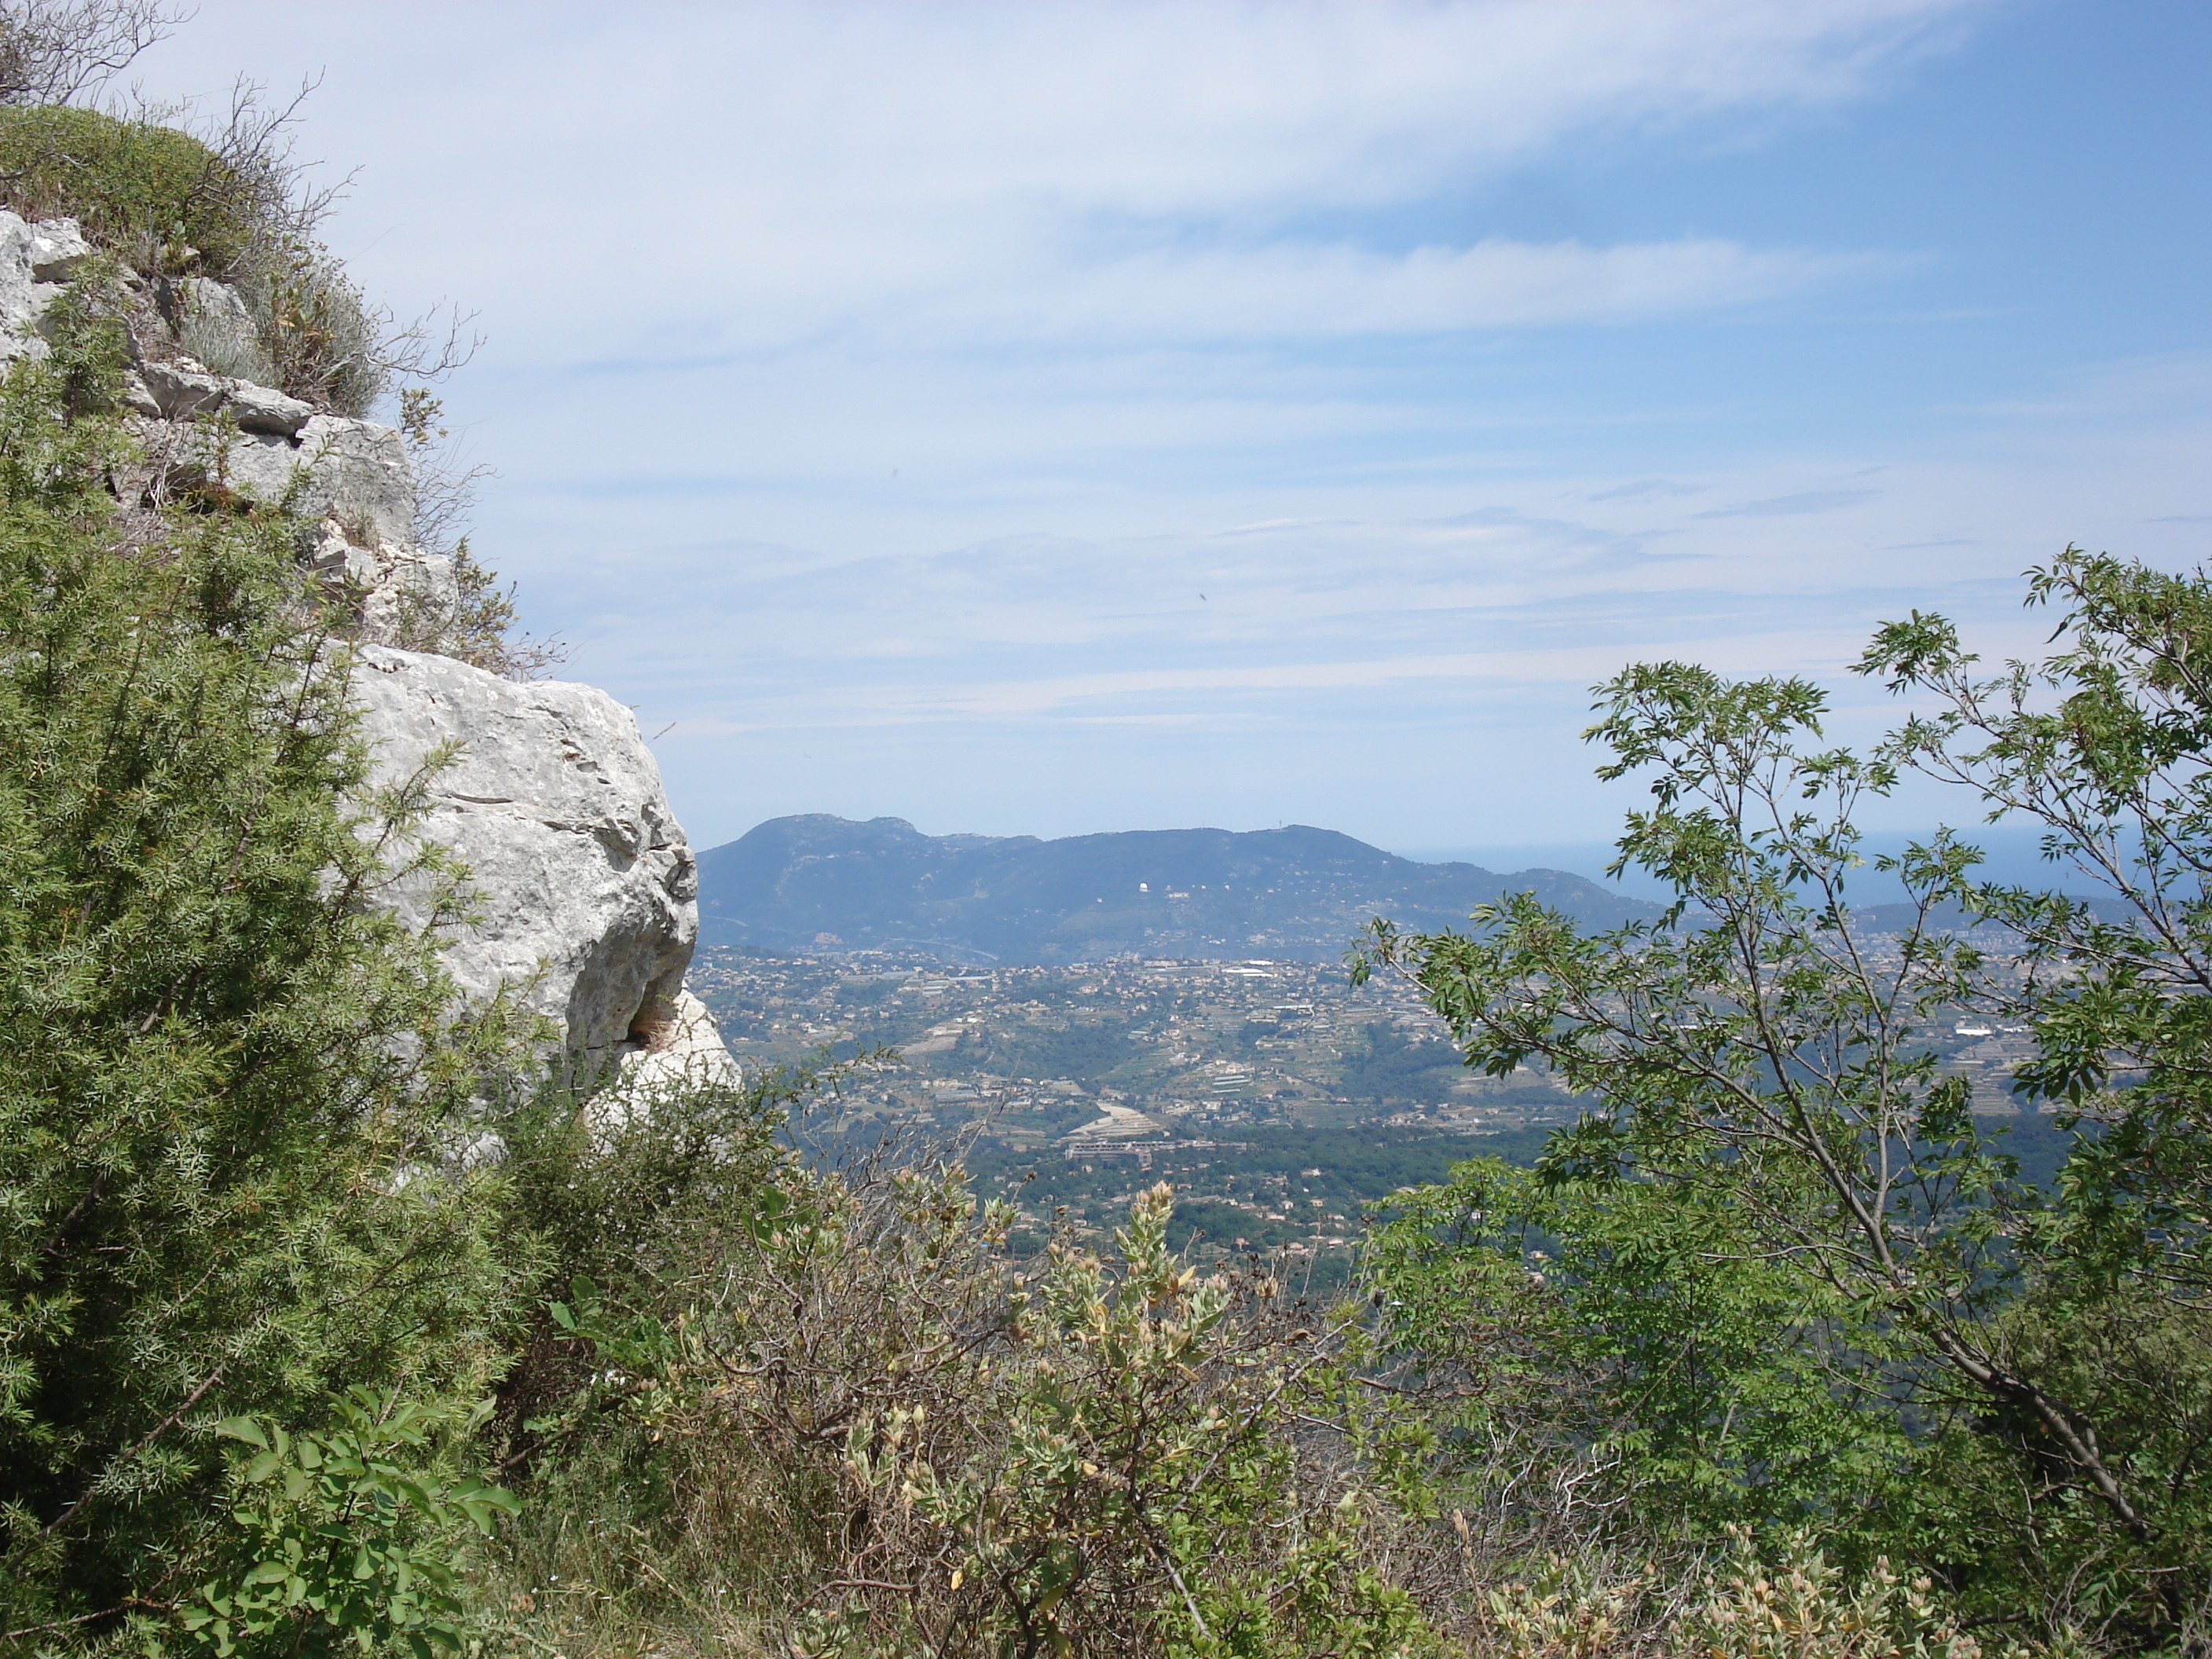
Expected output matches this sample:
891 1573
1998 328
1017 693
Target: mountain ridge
816 881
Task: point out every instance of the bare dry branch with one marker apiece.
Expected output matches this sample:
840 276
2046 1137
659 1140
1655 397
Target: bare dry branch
56 52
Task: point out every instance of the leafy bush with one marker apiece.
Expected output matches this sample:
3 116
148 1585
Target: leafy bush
826 1411
348 1537
1149 1485
1792 1604
162 199
317 330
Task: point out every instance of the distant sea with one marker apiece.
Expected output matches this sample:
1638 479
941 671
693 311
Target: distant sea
2012 855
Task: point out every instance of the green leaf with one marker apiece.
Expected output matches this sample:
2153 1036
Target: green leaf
415 1493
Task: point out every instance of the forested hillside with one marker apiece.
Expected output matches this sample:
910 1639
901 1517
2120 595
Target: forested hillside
1299 893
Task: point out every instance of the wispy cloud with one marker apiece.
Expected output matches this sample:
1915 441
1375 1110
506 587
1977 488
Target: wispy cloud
1787 506
879 386
1292 290
753 177
1643 489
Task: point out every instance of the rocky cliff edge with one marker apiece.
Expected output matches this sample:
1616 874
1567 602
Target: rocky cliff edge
586 889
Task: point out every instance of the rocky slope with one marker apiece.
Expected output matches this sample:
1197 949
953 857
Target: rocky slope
587 888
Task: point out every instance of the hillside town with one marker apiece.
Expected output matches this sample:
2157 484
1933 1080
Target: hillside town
1277 1097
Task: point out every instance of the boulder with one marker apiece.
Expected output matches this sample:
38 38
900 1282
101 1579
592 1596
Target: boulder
585 885
683 1055
35 261
55 250
182 389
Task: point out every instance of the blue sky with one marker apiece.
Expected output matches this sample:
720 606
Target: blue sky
1035 418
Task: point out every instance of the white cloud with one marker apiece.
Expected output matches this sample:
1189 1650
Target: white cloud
990 312
655 179
1295 291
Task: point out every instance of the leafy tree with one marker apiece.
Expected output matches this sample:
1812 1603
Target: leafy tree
1611 1323
236 1096
2105 743
1780 1145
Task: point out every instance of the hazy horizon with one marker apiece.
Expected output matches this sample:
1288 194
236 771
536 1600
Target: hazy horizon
2011 854
1050 417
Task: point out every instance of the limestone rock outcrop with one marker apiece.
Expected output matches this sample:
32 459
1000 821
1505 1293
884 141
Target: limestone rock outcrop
225 436
688 1053
586 887
36 261
349 483
585 890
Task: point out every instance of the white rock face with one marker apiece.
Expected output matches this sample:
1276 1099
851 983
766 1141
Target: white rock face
181 389
686 1056
349 483
354 471
588 887
35 261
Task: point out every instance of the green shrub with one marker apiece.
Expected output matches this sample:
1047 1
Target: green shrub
350 1537
1791 1602
237 1102
161 198
315 327
827 1414
171 206
1639 1341
1175 1471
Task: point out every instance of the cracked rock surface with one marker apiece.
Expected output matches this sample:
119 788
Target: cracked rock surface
35 261
586 884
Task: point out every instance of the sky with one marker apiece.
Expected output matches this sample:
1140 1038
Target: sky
1046 418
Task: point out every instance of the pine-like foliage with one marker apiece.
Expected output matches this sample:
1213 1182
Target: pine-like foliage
234 1096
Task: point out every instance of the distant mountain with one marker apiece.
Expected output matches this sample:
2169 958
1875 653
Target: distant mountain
815 881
